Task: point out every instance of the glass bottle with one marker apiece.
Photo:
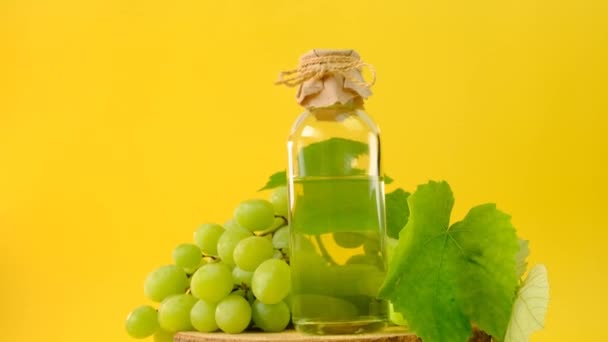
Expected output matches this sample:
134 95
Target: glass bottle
337 219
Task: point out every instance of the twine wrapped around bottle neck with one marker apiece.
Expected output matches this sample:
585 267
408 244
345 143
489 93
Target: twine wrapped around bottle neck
318 67
326 77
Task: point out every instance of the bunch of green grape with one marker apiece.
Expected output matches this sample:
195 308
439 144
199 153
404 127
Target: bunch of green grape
232 278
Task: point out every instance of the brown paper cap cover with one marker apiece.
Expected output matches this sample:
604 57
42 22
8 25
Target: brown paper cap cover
327 77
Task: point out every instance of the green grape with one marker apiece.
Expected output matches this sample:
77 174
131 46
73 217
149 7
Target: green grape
206 237
227 243
280 201
277 254
289 300
165 281
228 266
270 317
233 314
250 252
240 276
142 322
324 307
248 295
280 239
271 281
187 256
163 336
276 224
204 261
239 292
211 283
255 214
202 316
233 225
349 240
174 313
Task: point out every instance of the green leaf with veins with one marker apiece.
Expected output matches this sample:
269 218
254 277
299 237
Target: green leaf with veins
333 191
279 178
397 212
530 306
442 278
331 157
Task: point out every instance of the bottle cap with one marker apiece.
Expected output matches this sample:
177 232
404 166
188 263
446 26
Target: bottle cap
327 77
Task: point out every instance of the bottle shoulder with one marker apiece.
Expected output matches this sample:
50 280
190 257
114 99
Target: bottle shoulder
353 120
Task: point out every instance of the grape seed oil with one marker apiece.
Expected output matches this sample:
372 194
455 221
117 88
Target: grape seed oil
336 190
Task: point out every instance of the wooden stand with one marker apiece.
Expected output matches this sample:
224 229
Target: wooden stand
390 334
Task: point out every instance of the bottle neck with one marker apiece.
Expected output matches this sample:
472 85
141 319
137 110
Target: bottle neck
338 108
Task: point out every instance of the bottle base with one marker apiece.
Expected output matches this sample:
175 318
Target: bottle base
339 328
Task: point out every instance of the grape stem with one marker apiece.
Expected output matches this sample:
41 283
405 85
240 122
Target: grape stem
284 255
241 286
212 257
324 251
283 217
275 228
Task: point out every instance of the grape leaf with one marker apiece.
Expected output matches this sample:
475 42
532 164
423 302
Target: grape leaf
331 157
279 178
397 212
530 306
336 205
520 258
443 278
328 198
276 180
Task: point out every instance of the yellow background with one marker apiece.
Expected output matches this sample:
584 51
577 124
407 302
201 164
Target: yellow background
125 124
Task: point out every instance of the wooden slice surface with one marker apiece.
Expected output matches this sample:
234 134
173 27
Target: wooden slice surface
390 334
